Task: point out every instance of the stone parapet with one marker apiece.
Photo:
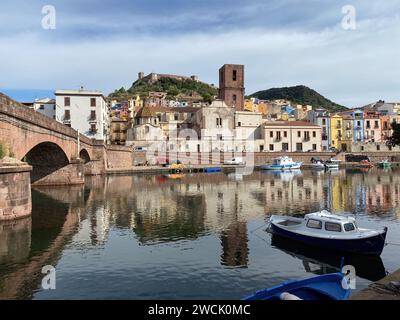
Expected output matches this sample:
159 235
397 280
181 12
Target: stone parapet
15 192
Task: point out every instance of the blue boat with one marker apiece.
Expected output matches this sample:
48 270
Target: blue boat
329 231
332 286
212 169
282 163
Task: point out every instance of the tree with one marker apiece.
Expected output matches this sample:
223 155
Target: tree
394 139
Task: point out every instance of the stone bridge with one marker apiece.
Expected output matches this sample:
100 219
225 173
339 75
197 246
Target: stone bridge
58 154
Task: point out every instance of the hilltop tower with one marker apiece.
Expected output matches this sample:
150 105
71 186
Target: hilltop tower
231 85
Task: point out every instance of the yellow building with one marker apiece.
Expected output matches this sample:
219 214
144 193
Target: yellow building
336 131
347 133
262 108
249 105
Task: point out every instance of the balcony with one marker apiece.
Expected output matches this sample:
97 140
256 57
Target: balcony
92 118
306 139
93 131
67 120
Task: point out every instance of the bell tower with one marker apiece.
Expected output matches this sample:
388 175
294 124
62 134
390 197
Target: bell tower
231 85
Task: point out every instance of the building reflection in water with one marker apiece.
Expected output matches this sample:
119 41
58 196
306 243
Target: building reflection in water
15 240
164 209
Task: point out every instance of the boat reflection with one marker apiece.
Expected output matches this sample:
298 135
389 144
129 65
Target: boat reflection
321 262
284 175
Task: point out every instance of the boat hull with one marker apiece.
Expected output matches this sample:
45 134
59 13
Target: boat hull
373 245
295 166
325 287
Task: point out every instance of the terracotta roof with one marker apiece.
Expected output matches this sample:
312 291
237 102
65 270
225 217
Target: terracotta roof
146 112
290 124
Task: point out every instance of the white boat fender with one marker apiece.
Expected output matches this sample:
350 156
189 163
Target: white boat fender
288 296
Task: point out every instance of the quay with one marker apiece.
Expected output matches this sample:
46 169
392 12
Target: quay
380 290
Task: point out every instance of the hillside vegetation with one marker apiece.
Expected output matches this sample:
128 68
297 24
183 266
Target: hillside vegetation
299 95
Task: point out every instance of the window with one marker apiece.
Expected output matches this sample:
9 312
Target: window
218 122
314 147
271 147
331 226
67 101
314 224
376 124
299 134
359 123
261 148
314 134
93 128
41 107
92 115
176 116
234 97
271 134
299 147
378 147
285 146
368 124
234 76
323 122
92 102
278 135
67 114
239 124
349 227
285 134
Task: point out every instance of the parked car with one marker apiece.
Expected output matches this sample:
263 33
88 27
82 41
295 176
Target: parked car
235 161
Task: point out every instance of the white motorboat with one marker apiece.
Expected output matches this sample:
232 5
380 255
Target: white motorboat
317 164
332 164
330 231
282 163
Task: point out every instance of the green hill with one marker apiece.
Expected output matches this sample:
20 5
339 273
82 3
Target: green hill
173 88
299 95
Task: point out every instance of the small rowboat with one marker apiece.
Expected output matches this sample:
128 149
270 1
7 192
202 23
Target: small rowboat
329 231
332 286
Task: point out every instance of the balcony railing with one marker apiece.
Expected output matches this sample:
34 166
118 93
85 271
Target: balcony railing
67 120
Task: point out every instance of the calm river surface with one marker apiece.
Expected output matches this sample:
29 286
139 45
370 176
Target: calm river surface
199 236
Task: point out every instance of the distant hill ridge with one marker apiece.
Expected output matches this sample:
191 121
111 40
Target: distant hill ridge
300 95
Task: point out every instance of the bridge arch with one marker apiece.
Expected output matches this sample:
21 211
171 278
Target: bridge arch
45 158
84 155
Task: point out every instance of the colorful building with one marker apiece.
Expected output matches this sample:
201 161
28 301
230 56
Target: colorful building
336 131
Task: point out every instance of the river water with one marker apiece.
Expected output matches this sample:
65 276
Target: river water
194 236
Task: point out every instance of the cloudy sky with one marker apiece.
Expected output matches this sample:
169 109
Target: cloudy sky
104 44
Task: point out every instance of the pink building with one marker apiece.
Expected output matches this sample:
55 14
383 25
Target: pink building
372 127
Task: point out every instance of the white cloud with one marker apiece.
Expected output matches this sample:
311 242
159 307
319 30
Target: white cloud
350 67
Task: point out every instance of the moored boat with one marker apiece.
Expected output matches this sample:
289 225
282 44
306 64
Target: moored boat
365 164
332 164
330 231
282 163
384 164
317 164
331 286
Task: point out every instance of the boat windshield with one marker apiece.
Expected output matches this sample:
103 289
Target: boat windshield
349 227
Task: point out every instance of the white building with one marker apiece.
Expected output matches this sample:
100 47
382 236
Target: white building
83 110
45 106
